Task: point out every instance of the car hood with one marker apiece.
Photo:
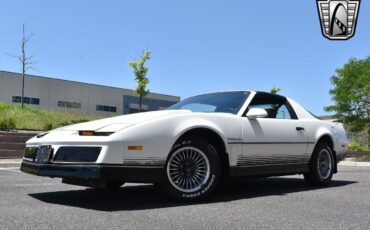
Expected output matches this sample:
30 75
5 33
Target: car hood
113 124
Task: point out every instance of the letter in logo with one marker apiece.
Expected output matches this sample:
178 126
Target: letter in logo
338 18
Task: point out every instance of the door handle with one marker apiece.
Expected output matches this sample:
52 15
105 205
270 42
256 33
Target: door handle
299 128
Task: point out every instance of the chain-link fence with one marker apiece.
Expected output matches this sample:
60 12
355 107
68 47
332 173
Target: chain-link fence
361 137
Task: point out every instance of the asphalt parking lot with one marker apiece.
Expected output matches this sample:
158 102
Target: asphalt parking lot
29 202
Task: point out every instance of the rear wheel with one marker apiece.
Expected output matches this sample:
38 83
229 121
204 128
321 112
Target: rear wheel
192 169
321 166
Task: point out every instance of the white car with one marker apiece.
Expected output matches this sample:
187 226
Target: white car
194 145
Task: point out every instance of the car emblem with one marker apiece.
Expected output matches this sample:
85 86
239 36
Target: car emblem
338 18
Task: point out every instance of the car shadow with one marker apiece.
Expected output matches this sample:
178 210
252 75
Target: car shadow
147 196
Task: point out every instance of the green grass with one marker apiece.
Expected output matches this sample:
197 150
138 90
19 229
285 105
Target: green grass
29 118
354 146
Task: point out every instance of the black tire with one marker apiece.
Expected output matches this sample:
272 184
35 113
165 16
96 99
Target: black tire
321 166
113 184
194 176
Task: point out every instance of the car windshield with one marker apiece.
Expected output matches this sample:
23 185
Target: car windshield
226 102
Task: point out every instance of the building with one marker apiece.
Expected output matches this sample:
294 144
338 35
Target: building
83 98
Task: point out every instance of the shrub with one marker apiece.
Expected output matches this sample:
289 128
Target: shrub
355 146
47 127
7 124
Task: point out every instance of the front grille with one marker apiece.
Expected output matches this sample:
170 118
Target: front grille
77 154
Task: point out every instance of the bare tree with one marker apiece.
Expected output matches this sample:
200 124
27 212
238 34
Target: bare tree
24 59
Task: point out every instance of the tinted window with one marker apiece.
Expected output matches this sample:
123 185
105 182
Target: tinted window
226 102
35 101
276 106
283 113
26 100
17 99
106 108
197 107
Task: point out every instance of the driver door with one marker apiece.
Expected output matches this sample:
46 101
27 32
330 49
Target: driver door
278 140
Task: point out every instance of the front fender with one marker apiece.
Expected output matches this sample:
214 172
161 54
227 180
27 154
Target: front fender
188 125
157 137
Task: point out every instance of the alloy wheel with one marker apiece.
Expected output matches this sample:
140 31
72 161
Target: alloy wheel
188 169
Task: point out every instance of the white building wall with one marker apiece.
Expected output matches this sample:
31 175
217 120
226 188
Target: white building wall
50 91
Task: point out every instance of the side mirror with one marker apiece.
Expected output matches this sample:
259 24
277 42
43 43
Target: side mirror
256 113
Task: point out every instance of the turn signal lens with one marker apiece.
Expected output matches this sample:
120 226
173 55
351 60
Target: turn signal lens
136 147
86 133
93 133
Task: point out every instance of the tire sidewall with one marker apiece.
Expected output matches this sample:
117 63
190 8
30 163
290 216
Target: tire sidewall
327 148
316 164
214 176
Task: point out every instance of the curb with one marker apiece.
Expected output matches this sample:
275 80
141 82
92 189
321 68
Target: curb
10 163
353 163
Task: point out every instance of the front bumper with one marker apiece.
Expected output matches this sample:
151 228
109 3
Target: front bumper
143 174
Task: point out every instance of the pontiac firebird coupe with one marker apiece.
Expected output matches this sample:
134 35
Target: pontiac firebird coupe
192 146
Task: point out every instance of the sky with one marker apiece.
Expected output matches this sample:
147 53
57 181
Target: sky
197 46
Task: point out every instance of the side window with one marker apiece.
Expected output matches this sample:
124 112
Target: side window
283 113
270 109
276 106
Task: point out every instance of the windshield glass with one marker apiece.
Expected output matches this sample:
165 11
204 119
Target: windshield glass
226 102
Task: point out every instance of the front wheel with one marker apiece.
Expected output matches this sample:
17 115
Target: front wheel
321 166
192 170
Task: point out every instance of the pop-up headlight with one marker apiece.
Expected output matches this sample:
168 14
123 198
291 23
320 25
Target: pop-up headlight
104 131
93 133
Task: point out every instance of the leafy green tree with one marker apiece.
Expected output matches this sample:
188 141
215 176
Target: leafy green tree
275 90
140 72
351 94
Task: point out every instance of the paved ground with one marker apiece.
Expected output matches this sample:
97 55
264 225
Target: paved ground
29 202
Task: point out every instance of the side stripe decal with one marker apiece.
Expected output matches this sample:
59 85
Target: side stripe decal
267 143
254 160
144 162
